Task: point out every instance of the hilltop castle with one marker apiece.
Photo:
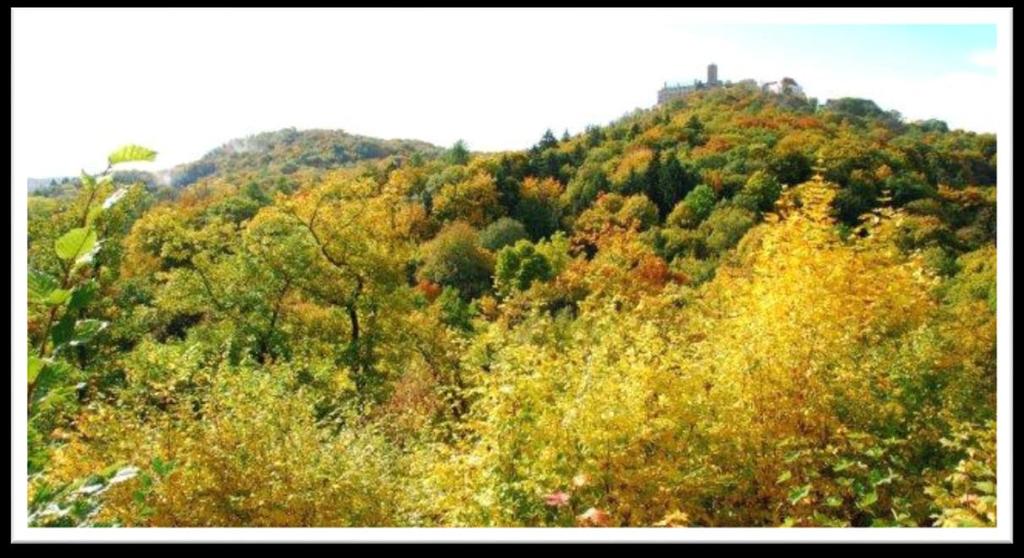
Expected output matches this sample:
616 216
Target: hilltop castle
678 90
785 86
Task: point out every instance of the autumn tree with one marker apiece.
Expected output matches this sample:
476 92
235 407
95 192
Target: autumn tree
502 232
518 266
455 258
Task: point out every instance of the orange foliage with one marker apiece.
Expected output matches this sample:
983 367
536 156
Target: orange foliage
635 162
652 272
715 144
429 289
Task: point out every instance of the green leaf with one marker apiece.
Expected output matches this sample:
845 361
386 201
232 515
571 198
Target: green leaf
834 501
130 153
40 285
35 366
826 521
785 476
58 297
86 330
867 500
161 467
877 479
61 333
51 384
986 487
75 243
843 465
82 295
875 453
87 257
799 493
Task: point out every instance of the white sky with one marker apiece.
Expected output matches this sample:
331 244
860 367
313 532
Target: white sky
184 81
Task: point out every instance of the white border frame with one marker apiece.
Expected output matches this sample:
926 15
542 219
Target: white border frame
1001 17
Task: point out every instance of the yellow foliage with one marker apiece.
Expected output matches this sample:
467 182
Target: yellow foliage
683 405
257 458
474 200
540 189
633 162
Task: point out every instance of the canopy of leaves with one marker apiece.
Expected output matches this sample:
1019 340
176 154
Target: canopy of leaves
455 258
518 267
739 310
501 233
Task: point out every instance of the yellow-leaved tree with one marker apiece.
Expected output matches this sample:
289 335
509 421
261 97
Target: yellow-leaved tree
809 383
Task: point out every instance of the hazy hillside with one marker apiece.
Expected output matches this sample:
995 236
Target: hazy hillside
282 152
289 150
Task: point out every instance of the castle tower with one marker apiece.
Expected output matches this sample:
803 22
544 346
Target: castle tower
712 74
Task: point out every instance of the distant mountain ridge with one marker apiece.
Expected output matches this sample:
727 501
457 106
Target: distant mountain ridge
35 184
288 150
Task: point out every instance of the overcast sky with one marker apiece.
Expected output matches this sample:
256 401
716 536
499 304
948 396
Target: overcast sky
184 81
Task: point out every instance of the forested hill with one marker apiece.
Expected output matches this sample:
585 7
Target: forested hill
282 153
289 150
737 309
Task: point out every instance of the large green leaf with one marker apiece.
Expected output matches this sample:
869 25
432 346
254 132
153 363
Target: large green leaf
51 381
85 258
58 297
69 333
82 295
40 285
130 153
86 330
61 333
75 243
35 366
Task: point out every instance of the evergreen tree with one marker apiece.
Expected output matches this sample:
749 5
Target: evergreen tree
674 182
651 176
546 142
458 154
695 131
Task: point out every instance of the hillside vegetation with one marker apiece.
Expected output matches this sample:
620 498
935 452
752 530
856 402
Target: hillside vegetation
740 309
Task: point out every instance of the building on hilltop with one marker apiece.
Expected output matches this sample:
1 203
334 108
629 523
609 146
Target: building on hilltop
678 90
669 92
785 86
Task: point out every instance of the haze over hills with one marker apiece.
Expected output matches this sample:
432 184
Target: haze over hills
38 183
283 150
